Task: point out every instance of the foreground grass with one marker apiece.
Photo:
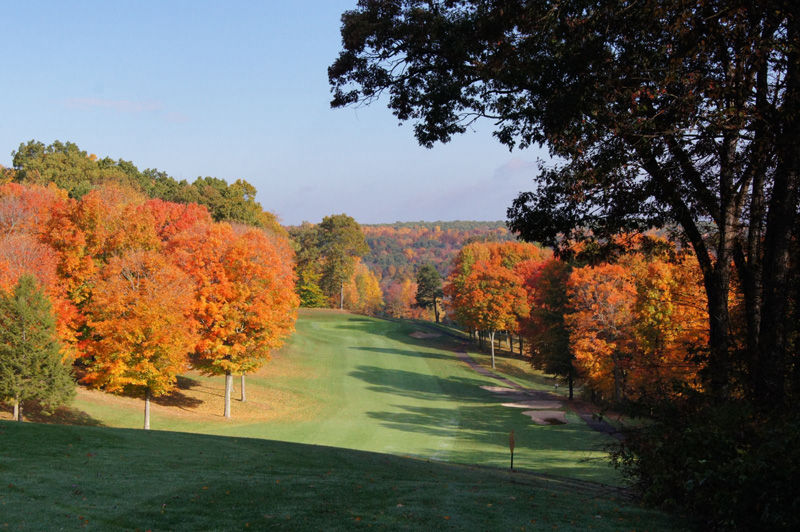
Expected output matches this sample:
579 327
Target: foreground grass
91 478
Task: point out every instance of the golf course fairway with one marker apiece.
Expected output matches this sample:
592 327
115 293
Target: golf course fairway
356 382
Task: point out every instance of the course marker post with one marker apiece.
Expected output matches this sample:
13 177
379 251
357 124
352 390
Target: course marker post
511 445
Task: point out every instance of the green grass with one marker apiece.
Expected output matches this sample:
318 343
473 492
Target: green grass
94 478
363 383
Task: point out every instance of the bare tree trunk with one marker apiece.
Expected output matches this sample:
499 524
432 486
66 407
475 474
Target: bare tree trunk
436 310
492 339
17 410
244 394
511 343
228 386
616 378
520 345
147 408
341 296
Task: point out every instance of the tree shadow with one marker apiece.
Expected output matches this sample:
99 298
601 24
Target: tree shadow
415 354
422 386
64 415
178 399
476 414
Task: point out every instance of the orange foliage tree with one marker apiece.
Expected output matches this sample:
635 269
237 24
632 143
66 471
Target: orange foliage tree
245 303
545 329
141 323
601 298
634 324
485 291
401 299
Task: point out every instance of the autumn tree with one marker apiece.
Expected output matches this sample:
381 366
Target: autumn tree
244 297
601 324
494 299
670 326
429 289
341 241
400 296
362 293
308 265
544 328
31 366
142 330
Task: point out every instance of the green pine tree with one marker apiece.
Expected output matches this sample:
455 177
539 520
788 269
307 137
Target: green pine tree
30 353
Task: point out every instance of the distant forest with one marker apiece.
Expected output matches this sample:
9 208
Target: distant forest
397 250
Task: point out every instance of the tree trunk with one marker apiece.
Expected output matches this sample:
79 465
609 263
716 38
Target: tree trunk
17 410
492 339
228 386
520 346
435 310
341 296
616 378
244 394
570 381
781 220
511 343
147 408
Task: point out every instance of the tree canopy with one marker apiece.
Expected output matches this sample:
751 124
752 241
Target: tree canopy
78 172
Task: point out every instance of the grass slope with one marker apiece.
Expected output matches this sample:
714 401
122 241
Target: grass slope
92 478
363 383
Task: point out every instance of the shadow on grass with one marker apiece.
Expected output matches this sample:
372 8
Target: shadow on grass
415 354
421 386
178 399
64 415
478 418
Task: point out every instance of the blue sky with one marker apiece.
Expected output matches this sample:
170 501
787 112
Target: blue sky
237 90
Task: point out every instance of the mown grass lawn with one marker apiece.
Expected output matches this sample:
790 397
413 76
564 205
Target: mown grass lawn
94 478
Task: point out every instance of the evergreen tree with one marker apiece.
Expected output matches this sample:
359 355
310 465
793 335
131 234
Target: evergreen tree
31 368
429 289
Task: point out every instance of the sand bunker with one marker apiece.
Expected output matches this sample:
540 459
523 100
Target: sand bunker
536 404
499 389
422 336
547 417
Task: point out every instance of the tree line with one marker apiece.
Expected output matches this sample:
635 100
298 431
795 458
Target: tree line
627 327
124 293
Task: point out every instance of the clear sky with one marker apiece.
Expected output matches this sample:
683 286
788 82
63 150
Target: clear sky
237 90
